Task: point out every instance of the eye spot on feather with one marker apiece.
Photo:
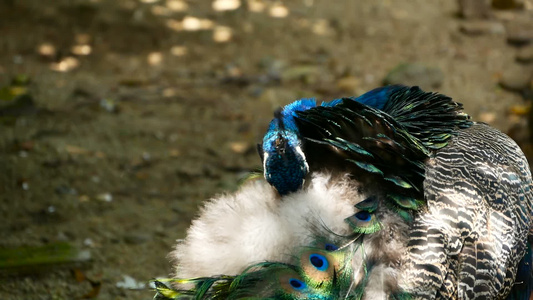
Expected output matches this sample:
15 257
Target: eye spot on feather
330 247
319 262
297 284
363 216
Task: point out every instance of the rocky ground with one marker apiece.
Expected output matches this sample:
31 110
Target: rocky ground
119 117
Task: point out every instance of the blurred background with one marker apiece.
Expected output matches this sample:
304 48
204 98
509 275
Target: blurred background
119 117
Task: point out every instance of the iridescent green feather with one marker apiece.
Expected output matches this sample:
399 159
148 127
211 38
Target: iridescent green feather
318 274
364 222
417 111
370 204
406 202
366 166
398 181
392 143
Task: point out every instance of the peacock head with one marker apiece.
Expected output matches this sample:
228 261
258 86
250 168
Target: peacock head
284 161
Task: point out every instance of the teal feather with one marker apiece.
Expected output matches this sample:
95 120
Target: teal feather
399 182
366 166
406 215
352 147
405 201
370 204
338 144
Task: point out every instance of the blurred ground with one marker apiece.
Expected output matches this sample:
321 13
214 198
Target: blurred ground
119 117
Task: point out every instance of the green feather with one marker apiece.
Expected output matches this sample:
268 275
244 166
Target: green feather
399 182
165 292
370 204
359 225
406 215
337 144
405 201
366 166
318 274
353 147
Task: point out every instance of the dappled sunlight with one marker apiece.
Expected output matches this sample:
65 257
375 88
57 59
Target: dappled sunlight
279 10
47 49
55 55
178 50
322 27
169 92
81 50
160 10
174 25
66 64
82 46
256 6
155 58
221 5
177 5
192 23
222 34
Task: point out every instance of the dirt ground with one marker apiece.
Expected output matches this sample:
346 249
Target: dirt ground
143 109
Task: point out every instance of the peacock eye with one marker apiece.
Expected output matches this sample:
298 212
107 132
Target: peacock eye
297 284
319 261
363 216
280 145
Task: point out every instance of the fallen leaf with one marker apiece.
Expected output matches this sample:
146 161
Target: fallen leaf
78 275
239 147
76 150
520 110
95 290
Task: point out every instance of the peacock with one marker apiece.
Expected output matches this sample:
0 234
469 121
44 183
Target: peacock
395 194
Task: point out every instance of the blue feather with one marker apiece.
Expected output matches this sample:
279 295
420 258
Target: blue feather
376 98
287 114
